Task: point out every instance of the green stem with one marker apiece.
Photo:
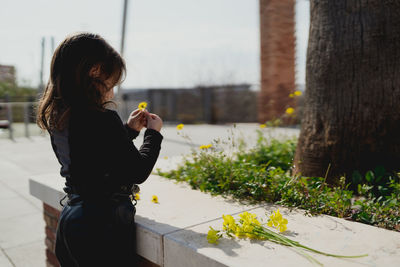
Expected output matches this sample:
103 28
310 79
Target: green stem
262 229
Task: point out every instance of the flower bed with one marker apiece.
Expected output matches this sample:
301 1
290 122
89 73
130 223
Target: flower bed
262 173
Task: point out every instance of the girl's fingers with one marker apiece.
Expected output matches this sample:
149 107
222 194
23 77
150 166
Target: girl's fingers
136 111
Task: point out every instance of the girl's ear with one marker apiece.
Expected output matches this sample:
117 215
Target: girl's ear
95 71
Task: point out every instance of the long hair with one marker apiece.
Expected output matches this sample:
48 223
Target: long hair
71 83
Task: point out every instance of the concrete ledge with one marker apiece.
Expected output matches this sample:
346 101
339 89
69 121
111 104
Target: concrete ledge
173 232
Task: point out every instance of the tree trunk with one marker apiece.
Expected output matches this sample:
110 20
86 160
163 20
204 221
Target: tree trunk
352 112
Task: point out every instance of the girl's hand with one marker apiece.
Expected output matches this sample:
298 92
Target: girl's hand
153 121
137 120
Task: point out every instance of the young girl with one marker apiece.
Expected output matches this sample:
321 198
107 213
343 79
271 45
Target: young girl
100 163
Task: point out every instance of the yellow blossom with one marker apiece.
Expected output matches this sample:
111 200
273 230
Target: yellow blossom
137 196
142 105
276 220
179 126
298 93
291 95
282 228
213 236
240 232
290 111
154 199
205 146
229 223
248 221
263 126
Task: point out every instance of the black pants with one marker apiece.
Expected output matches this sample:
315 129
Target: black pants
90 233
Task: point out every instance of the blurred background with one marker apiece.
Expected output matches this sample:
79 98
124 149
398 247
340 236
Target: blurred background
192 61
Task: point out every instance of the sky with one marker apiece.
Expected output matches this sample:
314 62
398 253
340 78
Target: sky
169 43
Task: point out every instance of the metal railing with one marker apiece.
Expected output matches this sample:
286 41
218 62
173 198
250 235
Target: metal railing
7 116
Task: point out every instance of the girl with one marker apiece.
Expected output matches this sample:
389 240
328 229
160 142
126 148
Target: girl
100 163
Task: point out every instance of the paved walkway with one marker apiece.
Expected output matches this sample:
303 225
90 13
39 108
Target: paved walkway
21 219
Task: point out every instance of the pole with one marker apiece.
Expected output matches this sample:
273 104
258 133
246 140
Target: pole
122 41
41 83
52 44
9 117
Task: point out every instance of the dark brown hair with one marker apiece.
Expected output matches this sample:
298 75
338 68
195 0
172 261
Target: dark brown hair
70 82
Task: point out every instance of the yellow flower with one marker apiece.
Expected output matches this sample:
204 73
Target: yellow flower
263 126
229 223
179 126
240 232
248 221
291 95
282 228
276 220
290 111
213 236
142 105
298 93
205 146
137 196
154 199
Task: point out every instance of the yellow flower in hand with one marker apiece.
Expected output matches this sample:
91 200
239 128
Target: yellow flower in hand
179 126
142 105
154 199
289 111
213 236
137 196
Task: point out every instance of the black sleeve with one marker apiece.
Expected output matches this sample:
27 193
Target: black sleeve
132 134
128 164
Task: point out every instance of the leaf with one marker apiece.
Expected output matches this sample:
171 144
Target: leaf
356 177
369 176
379 170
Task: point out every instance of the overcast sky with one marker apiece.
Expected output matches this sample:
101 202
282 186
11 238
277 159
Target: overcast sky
169 43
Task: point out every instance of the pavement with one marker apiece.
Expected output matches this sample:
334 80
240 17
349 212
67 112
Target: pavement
22 226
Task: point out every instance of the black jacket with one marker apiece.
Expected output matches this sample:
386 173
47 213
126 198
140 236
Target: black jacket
97 155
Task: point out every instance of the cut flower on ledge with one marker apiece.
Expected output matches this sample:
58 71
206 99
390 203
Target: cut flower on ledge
213 236
276 220
154 199
179 127
248 226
